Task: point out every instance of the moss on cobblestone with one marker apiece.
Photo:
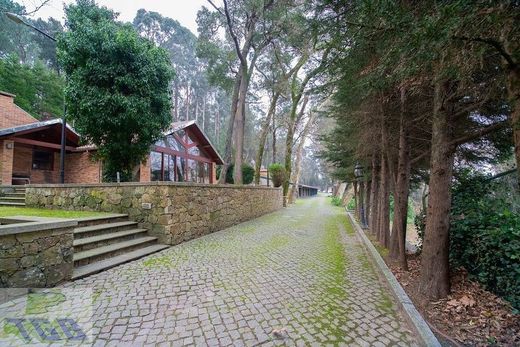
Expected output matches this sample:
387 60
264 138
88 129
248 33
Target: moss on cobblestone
158 261
385 303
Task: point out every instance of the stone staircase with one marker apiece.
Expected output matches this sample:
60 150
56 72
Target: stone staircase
15 198
104 242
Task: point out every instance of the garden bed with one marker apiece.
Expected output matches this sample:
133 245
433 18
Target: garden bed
470 315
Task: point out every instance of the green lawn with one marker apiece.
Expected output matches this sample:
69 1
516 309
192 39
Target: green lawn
40 212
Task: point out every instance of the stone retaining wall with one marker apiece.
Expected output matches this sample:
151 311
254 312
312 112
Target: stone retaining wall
174 212
35 254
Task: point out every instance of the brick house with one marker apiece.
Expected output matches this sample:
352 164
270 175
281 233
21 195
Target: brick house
30 152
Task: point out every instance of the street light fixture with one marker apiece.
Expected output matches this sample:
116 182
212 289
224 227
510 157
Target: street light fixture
19 20
358 174
358 171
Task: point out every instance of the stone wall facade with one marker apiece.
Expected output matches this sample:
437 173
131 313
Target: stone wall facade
36 254
173 212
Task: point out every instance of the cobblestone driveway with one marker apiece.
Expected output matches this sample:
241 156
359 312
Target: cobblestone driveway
300 271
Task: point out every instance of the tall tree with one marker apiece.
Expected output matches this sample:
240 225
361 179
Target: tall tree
117 85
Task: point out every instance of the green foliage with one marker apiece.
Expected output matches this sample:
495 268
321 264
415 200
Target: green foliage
484 235
117 88
248 174
38 89
410 214
277 174
351 204
336 201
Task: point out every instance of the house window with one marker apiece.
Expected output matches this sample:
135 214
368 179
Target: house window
42 160
156 166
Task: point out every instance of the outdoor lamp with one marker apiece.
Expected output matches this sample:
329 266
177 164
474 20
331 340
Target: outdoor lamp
358 171
14 17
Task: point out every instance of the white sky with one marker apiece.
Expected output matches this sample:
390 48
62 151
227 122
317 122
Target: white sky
185 11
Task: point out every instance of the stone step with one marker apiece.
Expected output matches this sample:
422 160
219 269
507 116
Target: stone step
99 253
12 198
15 195
99 266
97 229
4 203
91 242
103 219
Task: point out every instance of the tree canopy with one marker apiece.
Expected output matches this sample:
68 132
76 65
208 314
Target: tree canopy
117 85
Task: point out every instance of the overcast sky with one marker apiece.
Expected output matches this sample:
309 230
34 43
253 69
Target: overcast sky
185 11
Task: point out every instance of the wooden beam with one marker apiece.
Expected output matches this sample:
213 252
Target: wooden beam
166 150
41 143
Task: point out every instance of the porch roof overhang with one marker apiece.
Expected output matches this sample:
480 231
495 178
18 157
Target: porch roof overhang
196 133
43 134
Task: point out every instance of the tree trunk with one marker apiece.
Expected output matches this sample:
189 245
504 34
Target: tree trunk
401 192
204 115
187 103
347 195
435 271
367 202
274 140
229 137
513 90
239 130
299 151
176 101
384 204
289 141
263 136
374 214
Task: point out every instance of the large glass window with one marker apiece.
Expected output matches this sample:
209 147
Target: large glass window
181 169
192 171
169 167
194 151
156 165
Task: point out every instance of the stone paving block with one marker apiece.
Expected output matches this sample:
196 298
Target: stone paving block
296 269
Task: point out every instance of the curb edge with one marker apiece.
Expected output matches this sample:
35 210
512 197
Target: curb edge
413 316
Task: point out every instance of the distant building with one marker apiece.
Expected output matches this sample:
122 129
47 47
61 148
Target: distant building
30 152
303 190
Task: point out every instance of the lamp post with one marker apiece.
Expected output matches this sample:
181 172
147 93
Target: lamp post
19 20
358 174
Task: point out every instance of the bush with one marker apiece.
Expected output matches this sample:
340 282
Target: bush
336 201
277 173
248 174
351 204
485 236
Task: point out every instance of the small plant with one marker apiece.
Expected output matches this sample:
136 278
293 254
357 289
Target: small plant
336 201
277 173
248 174
351 204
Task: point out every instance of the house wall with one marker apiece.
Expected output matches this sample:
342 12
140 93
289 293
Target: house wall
174 212
6 164
81 167
22 165
12 115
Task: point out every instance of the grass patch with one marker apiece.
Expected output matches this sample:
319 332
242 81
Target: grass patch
380 249
40 212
